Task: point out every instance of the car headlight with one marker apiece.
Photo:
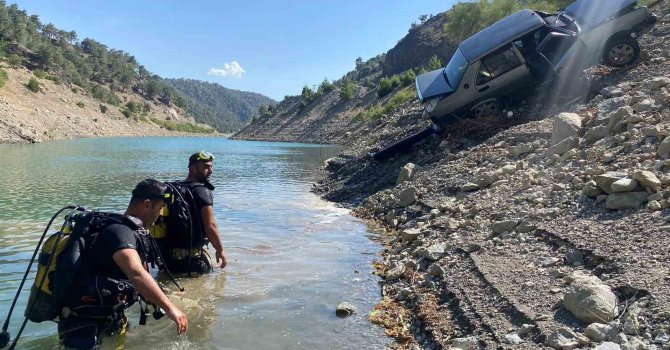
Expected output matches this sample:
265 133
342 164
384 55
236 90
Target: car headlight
430 104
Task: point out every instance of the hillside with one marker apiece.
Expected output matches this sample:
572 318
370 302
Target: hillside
548 230
44 70
224 109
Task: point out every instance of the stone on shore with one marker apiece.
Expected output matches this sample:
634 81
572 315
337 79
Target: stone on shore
590 300
626 200
566 125
345 309
407 196
406 173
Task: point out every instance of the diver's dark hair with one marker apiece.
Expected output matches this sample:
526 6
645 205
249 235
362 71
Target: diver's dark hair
148 189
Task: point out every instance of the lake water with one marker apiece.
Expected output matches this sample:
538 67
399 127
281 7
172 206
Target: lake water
292 256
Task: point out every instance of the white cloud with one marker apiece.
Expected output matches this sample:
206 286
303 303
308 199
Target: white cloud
229 69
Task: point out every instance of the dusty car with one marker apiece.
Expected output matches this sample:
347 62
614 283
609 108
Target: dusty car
509 59
528 50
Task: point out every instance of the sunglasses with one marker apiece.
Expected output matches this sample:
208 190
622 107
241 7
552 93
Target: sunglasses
206 156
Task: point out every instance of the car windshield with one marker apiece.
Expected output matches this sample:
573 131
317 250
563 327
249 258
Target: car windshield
455 69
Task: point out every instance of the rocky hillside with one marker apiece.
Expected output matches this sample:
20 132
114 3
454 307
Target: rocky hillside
549 230
332 118
60 112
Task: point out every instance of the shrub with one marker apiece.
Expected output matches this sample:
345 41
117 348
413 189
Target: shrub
103 108
3 77
387 85
127 113
81 104
376 112
14 60
325 87
33 85
183 127
40 74
348 91
407 77
307 93
434 63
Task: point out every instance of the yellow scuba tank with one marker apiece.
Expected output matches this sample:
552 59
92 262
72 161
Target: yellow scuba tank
159 229
41 299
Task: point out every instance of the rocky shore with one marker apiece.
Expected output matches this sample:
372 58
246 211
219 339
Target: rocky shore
547 230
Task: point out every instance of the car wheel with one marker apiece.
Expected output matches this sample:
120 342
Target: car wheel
486 109
621 51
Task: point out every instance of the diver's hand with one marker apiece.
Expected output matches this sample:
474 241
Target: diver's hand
179 319
221 259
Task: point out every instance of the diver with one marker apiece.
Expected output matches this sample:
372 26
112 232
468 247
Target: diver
116 266
188 224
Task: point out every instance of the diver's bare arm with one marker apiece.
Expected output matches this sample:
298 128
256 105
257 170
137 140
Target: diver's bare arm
212 233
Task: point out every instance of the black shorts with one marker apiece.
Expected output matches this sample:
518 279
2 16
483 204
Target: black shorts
85 333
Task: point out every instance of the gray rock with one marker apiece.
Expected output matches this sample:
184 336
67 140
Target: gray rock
485 179
525 329
575 257
658 82
520 149
608 106
624 185
345 309
608 346
565 339
605 181
644 106
406 173
664 147
616 119
436 270
407 196
634 344
611 91
565 125
626 200
395 272
598 332
648 179
662 338
591 189
410 234
468 343
525 227
503 226
469 187
513 339
589 299
596 133
563 146
433 252
654 206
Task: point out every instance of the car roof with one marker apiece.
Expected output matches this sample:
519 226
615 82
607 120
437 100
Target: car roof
500 33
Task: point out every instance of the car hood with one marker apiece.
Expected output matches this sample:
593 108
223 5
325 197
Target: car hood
590 13
432 84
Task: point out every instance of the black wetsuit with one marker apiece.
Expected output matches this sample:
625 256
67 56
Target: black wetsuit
80 332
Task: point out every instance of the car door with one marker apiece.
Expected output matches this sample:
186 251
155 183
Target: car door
502 74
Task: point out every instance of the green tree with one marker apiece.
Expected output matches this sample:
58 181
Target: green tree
348 91
407 77
387 85
434 63
307 93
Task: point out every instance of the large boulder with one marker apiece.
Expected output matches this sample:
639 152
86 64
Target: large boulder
624 185
626 200
664 148
565 125
605 181
407 196
564 146
406 173
590 300
647 179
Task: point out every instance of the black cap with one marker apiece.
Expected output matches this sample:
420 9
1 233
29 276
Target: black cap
201 156
149 189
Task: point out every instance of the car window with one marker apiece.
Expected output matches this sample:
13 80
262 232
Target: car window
455 69
496 64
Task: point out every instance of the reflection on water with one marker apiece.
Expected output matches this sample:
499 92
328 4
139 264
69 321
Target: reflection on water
292 257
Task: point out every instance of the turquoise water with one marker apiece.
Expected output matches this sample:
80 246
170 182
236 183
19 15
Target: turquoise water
292 256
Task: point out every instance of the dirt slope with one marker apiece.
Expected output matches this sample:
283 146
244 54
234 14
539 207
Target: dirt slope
53 113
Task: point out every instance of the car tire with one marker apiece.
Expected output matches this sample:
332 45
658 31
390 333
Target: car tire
621 51
486 108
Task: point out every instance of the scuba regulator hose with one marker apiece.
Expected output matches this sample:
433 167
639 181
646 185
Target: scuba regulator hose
4 334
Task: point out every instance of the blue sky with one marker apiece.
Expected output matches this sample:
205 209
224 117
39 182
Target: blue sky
280 45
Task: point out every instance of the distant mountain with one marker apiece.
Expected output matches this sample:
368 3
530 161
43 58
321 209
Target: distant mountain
224 109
